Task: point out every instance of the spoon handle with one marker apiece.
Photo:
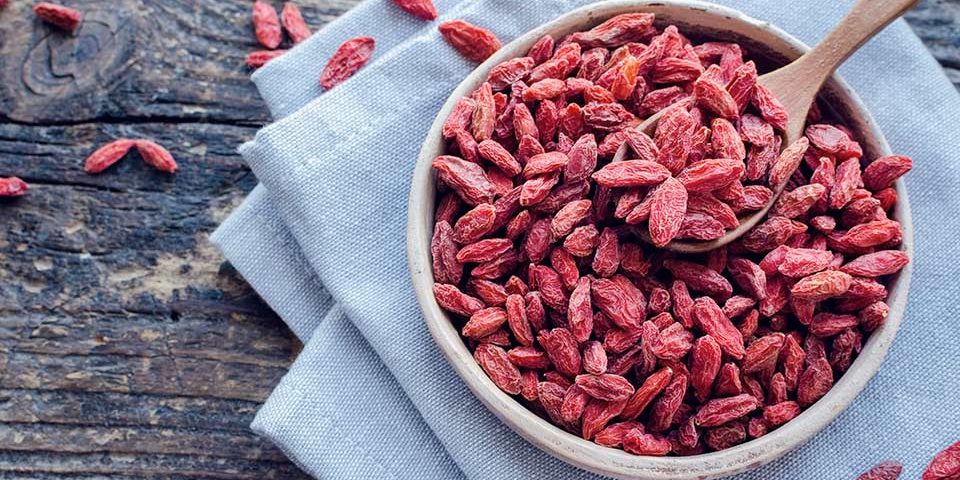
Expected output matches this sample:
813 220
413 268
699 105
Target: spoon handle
800 81
864 21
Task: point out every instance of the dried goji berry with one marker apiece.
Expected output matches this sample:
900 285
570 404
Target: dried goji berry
419 8
466 178
668 208
107 155
542 49
665 407
70 19
13 187
945 465
266 24
473 42
497 366
350 57
605 386
885 262
639 443
719 411
617 31
293 22
814 383
156 156
612 435
259 58
889 470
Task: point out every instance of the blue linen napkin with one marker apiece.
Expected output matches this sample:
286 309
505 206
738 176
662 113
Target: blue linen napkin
331 211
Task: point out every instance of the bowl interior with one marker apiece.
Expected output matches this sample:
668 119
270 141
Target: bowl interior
702 21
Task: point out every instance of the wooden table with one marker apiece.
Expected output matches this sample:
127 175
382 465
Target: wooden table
128 346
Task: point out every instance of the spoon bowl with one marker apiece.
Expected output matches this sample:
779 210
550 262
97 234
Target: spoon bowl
796 86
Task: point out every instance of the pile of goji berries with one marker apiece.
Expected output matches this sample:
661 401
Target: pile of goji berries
538 257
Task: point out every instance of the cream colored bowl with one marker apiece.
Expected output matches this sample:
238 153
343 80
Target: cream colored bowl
706 20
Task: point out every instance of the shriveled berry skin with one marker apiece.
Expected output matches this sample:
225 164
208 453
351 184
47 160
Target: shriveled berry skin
13 187
419 8
945 465
66 18
260 58
293 23
266 24
350 57
889 470
156 156
495 363
107 155
473 42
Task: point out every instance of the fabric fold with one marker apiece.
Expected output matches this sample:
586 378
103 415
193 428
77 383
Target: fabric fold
262 249
304 415
265 252
338 169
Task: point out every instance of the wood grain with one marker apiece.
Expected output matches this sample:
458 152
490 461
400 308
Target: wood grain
128 347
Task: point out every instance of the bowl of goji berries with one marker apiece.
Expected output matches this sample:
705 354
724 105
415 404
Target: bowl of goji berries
525 242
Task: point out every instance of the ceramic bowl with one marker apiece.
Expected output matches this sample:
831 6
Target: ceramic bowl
708 21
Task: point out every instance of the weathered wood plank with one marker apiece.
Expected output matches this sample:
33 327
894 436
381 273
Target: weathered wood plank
244 340
99 465
133 440
126 410
937 23
156 375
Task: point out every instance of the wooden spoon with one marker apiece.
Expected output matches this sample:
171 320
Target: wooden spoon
796 86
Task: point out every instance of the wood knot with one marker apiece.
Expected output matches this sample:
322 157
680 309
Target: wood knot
59 66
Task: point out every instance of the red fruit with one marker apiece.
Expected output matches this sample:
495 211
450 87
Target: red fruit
451 299
419 8
293 23
719 411
580 311
156 156
260 58
711 320
945 465
814 383
107 155
64 17
882 172
889 470
780 413
507 73
13 187
473 42
561 348
466 178
668 208
266 25
350 57
617 31
639 443
606 386
497 366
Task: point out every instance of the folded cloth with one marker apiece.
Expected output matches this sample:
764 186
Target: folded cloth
337 172
254 236
306 418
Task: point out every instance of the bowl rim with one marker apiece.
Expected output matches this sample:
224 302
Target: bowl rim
573 449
